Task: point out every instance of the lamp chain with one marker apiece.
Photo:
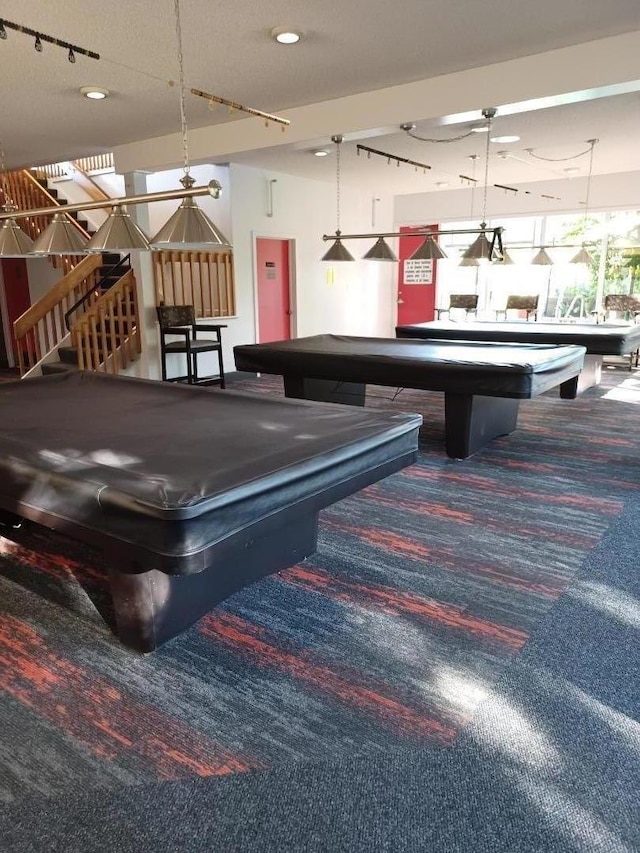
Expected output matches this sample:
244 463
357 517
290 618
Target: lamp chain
183 117
338 140
592 143
7 200
489 116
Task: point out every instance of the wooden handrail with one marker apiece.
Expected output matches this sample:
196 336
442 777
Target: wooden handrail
86 182
107 337
37 186
54 296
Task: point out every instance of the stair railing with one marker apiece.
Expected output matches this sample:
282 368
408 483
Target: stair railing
114 271
42 327
107 337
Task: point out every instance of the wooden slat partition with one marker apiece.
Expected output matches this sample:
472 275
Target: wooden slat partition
202 279
107 336
41 328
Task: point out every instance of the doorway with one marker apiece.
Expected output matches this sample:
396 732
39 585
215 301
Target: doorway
416 280
273 286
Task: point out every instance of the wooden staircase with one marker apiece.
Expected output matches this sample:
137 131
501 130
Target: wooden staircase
89 320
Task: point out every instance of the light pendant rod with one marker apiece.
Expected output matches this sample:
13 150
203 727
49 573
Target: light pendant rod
213 188
419 232
40 37
233 105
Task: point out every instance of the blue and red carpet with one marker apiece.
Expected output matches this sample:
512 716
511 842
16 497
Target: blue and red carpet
423 591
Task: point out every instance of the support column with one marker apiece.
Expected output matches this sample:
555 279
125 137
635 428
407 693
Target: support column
148 366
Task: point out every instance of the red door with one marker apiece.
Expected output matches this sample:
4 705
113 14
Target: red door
416 281
16 290
274 299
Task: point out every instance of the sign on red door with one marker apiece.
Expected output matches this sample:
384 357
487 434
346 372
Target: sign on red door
416 280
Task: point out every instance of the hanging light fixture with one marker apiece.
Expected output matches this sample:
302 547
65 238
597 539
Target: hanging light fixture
337 252
380 251
504 261
542 258
189 227
583 257
481 249
14 243
60 237
118 233
428 251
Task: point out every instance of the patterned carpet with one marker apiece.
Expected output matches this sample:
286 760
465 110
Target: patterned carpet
423 589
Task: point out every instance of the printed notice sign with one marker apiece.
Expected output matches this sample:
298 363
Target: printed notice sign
418 272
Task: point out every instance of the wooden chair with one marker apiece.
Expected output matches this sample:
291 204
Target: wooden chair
467 302
180 321
621 306
520 303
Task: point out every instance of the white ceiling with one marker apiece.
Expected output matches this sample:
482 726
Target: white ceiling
348 47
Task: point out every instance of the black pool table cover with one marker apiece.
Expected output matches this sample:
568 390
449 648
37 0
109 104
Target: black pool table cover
174 479
506 370
597 338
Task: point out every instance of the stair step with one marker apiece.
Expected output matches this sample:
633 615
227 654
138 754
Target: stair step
110 258
57 367
68 355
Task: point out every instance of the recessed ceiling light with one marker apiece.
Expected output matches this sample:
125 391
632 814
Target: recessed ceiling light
94 92
286 35
321 153
480 128
572 170
442 183
512 138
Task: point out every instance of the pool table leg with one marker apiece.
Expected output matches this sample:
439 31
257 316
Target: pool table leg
590 375
8 519
152 607
471 421
325 390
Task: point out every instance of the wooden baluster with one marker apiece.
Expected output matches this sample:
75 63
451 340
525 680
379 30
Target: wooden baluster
202 266
220 270
136 312
230 284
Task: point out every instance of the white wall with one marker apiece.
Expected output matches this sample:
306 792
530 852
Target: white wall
343 298
348 298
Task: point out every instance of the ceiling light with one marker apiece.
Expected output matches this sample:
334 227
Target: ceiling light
507 138
286 35
118 233
542 258
480 128
442 183
94 93
14 243
380 251
321 153
60 237
428 251
572 170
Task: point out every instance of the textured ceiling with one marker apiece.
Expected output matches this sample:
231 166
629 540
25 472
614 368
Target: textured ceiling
349 47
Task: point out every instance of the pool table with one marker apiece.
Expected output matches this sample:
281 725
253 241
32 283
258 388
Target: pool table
599 339
482 383
190 493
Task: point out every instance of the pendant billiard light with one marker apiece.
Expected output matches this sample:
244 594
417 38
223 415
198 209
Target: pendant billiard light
189 227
